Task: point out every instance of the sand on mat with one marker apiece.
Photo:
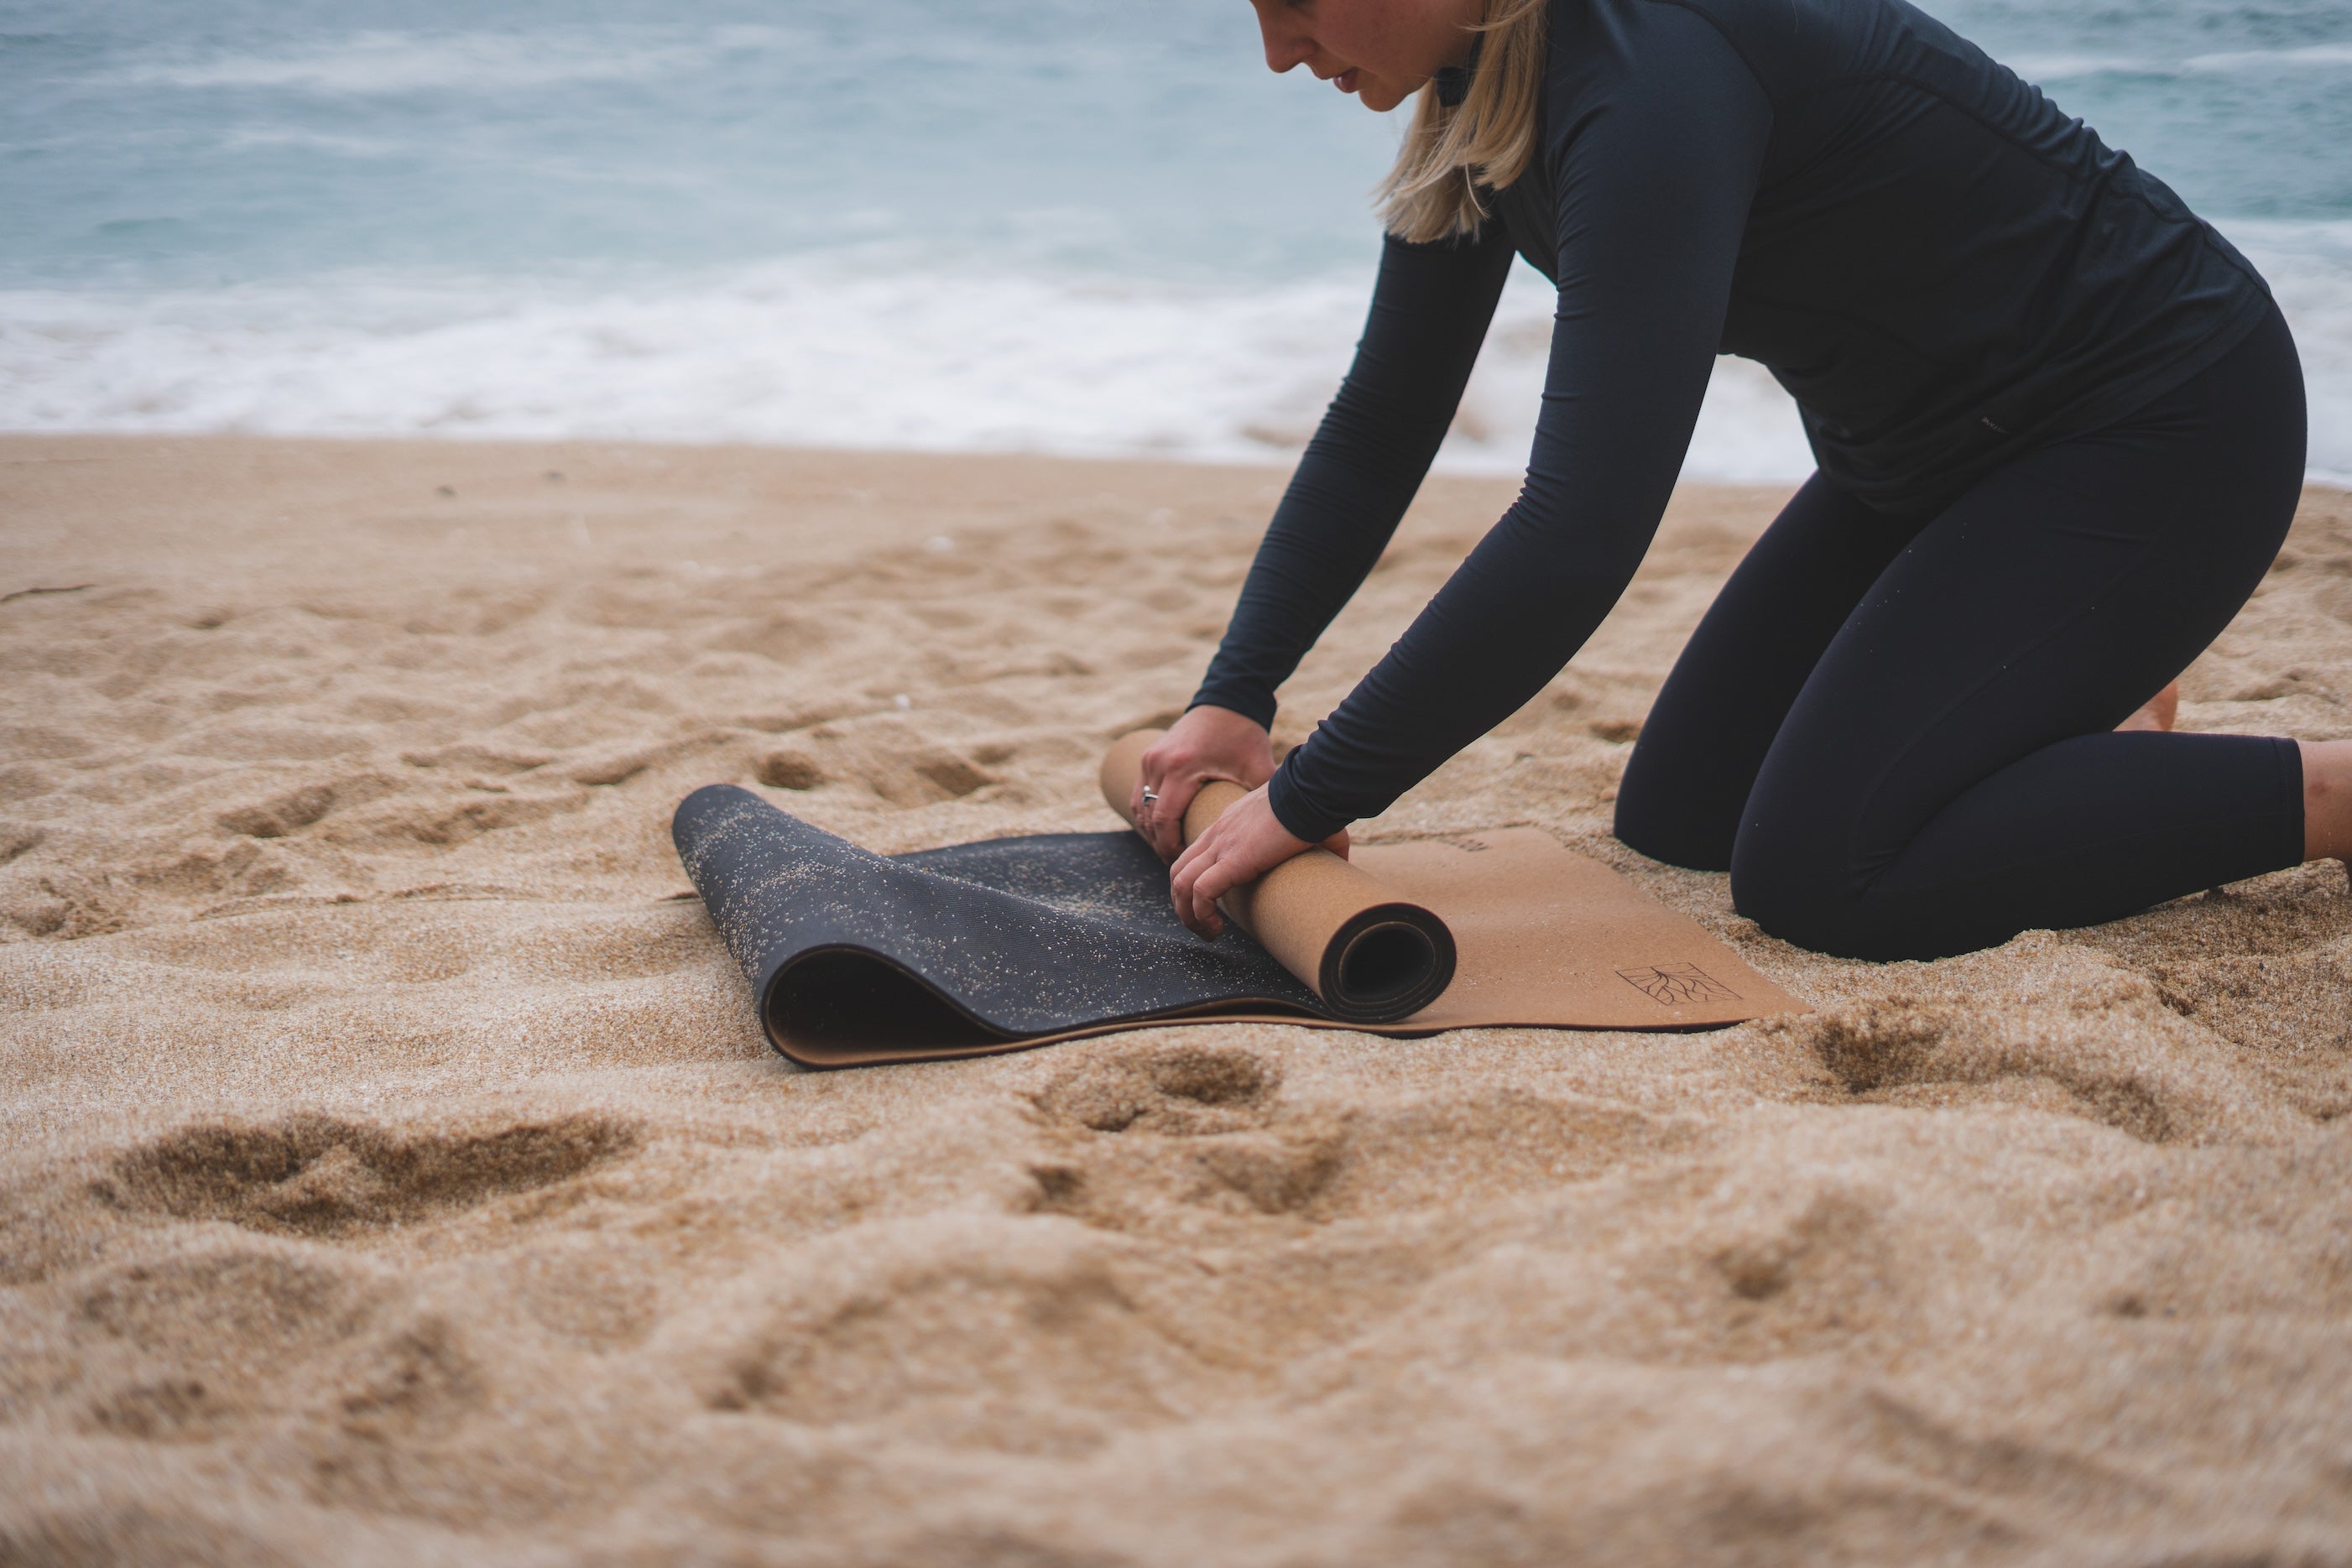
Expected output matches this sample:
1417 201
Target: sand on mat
390 1171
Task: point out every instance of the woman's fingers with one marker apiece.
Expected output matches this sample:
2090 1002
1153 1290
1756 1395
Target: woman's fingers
1182 878
1173 778
1150 768
1144 813
1196 905
1164 825
1240 846
1206 920
1213 883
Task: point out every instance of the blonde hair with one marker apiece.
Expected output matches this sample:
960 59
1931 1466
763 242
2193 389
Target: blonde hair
1449 154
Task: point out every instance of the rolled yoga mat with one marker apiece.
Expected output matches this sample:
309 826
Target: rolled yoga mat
1369 956
856 958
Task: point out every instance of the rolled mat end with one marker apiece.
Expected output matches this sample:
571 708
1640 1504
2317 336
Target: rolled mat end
1385 964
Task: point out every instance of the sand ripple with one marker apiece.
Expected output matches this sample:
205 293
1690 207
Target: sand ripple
392 1172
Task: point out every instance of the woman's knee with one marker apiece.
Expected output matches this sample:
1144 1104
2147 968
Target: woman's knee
1668 829
1800 883
1792 889
1810 896
1670 810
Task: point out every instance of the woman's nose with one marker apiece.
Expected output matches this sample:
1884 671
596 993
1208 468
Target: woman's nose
1286 43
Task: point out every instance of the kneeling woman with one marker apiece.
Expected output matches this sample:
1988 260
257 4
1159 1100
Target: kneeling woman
2060 433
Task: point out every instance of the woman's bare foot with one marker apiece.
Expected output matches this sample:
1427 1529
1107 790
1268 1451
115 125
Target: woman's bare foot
2158 712
2327 801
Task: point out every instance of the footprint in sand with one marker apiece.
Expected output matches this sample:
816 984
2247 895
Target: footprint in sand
281 814
1179 1090
320 1175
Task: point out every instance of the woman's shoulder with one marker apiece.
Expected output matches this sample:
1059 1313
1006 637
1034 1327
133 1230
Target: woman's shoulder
1642 42
1601 51
1787 45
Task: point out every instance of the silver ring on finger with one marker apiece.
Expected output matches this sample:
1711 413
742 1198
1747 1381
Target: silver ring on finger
1149 796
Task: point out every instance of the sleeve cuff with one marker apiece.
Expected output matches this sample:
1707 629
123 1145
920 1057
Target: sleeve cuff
1257 706
1299 817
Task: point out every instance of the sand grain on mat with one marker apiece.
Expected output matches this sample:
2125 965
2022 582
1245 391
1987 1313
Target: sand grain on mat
390 1170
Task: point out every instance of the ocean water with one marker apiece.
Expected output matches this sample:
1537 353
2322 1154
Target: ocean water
1088 227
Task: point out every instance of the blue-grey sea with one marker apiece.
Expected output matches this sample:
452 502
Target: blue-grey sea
1065 226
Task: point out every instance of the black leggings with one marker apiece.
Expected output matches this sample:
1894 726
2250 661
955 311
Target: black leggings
1898 737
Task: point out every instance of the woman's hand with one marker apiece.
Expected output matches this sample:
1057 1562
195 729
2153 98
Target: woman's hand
1206 743
1240 846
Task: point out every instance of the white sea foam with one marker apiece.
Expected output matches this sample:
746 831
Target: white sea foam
873 350
2309 265
2312 57
2060 68
805 352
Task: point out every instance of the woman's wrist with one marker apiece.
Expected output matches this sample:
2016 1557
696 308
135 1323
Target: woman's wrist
1300 817
1258 707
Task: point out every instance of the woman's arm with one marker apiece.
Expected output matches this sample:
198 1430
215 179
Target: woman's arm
1430 312
1654 182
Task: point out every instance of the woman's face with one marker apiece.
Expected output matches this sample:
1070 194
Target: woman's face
1381 50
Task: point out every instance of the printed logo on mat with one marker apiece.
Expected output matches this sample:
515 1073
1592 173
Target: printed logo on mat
1678 985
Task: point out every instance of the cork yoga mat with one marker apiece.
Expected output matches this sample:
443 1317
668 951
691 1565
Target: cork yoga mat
856 958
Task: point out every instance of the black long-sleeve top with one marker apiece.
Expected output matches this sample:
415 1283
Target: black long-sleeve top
1936 263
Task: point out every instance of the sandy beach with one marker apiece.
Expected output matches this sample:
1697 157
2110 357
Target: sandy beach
392 1170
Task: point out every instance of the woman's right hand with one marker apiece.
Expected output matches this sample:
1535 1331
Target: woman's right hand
1206 743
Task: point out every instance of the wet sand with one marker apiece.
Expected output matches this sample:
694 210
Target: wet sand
390 1171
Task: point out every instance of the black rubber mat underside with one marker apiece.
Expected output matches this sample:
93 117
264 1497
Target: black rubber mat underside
946 950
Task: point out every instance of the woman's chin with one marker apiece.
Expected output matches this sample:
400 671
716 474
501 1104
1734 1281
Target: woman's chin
1380 97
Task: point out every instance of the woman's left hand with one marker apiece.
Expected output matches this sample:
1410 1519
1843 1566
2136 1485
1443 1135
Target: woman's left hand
1243 844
